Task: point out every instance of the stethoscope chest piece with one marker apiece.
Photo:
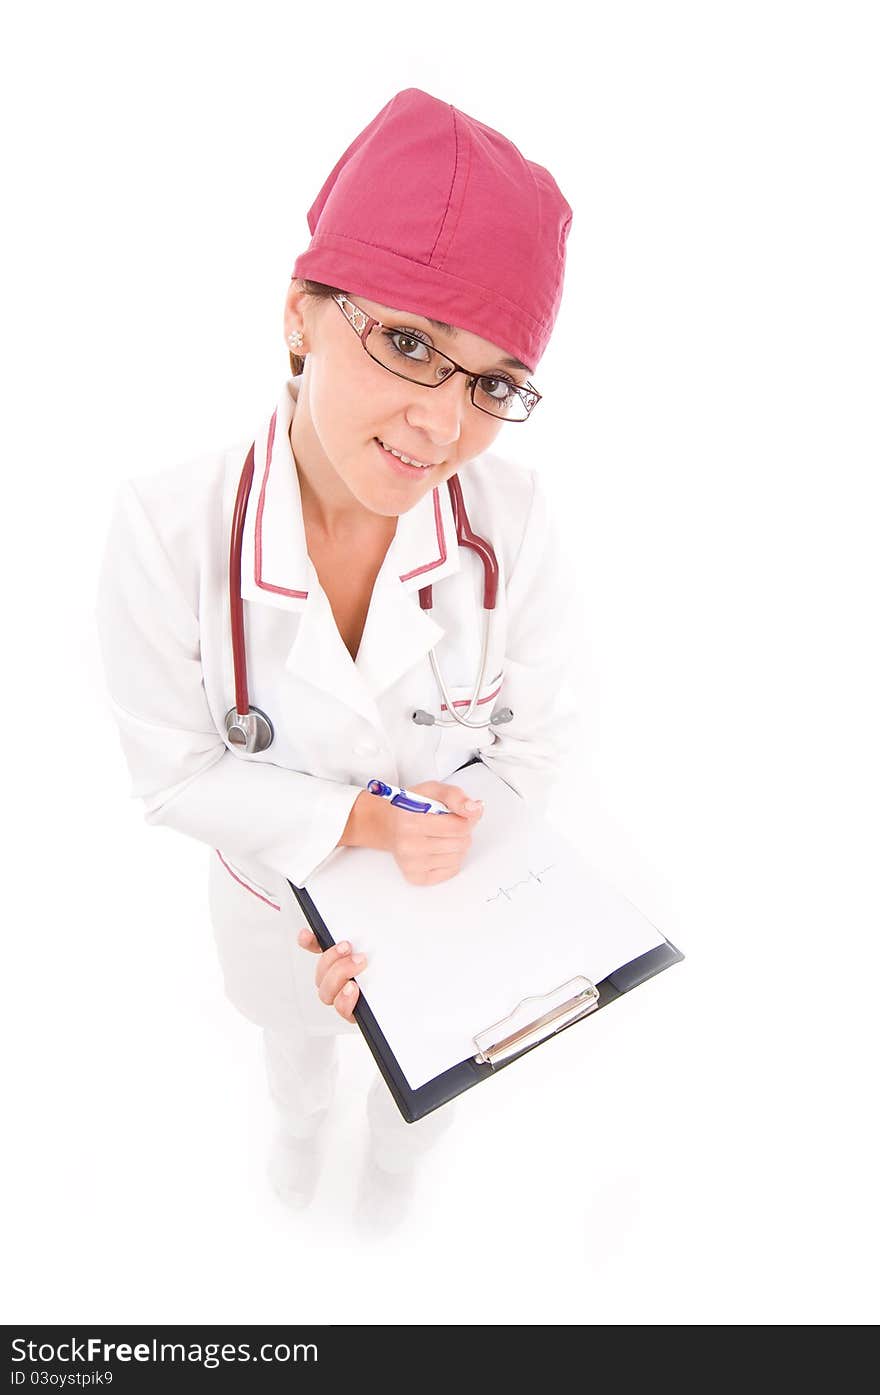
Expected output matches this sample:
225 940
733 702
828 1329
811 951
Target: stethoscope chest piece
250 732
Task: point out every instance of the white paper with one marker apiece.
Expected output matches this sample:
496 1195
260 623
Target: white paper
525 914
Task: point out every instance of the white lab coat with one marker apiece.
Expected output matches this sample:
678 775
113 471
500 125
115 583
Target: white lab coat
163 616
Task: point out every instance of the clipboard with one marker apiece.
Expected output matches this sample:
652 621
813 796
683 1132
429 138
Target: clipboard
529 1023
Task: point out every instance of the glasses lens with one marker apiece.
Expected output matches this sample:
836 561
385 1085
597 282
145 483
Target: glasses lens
500 397
410 357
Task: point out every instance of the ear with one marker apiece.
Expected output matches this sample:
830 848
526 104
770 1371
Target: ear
294 308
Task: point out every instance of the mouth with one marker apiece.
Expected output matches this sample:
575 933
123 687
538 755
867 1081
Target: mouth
404 467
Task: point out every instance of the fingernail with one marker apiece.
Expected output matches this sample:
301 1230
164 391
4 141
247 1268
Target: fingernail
348 990
473 804
359 959
344 947
303 937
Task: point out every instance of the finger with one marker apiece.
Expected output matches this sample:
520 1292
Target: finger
457 800
441 858
338 975
433 875
345 1001
435 871
307 939
330 957
438 825
443 874
415 847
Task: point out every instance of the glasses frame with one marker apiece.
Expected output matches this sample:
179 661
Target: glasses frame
362 324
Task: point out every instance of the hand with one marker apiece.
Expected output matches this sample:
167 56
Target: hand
334 973
430 848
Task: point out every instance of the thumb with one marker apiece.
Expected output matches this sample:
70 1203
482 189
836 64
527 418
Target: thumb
460 802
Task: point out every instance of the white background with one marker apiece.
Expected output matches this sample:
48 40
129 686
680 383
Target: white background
705 1150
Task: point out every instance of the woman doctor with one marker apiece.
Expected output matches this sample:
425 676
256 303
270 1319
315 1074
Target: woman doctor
414 320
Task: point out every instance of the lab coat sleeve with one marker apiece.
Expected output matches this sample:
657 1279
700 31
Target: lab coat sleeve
530 751
179 764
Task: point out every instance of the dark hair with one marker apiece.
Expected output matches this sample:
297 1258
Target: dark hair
318 291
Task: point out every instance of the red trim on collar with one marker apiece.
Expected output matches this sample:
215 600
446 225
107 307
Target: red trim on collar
441 541
258 540
303 595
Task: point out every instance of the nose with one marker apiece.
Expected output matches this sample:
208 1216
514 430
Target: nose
440 412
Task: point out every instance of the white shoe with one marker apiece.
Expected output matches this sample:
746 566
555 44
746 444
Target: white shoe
293 1168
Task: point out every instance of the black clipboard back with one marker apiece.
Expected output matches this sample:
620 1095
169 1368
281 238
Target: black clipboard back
415 1104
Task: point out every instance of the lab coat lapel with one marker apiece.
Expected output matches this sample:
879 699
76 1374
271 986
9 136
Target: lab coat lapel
319 657
275 564
277 571
274 557
398 633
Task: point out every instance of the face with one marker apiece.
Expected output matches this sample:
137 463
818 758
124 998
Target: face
348 403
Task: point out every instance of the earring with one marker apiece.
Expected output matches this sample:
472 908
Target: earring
295 340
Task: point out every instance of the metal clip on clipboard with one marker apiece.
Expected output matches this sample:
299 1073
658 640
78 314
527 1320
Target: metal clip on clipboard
524 1027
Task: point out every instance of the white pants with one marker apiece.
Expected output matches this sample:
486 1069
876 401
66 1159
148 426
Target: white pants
270 978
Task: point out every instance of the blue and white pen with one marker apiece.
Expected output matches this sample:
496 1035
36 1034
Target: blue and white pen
405 799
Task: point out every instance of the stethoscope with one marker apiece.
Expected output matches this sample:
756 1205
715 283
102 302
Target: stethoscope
251 729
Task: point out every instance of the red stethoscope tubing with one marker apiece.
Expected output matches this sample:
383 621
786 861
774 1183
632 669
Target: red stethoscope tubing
236 608
468 538
463 532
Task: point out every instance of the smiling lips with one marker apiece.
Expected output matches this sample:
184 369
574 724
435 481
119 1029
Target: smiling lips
407 459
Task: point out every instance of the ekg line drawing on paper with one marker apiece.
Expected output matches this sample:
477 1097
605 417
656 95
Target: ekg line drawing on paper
506 890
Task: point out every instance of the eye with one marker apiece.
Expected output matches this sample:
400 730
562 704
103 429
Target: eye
491 385
407 342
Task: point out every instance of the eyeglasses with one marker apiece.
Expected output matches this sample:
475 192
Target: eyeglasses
406 353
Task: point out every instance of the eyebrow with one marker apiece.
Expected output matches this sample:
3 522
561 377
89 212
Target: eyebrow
451 330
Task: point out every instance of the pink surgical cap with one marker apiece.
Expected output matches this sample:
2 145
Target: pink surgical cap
429 210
